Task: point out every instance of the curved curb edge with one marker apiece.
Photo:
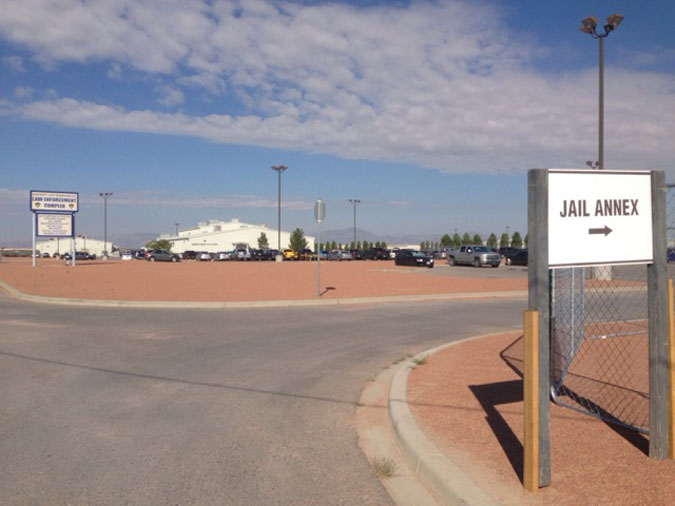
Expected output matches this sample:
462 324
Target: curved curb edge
17 294
436 470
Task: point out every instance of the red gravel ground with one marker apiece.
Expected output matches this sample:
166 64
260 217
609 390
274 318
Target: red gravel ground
591 462
235 281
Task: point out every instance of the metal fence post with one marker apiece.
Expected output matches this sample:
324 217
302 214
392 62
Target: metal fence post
539 290
658 325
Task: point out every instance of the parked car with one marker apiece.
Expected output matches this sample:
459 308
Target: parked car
223 256
257 254
79 255
670 255
505 251
478 256
414 258
127 255
339 255
306 254
45 255
203 256
242 254
290 254
162 255
375 254
518 258
357 254
393 252
189 254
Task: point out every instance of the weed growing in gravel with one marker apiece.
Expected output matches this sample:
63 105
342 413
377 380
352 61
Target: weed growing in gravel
401 359
384 467
420 360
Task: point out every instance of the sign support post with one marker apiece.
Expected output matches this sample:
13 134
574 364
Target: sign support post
34 241
658 325
319 215
539 297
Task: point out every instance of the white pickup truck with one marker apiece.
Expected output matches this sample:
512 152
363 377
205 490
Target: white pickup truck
478 256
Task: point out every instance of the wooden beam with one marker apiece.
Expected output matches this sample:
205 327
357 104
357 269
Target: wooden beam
531 402
671 372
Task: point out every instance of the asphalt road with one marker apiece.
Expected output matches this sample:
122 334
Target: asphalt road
229 407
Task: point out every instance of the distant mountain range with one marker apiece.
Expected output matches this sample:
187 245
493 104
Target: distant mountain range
346 235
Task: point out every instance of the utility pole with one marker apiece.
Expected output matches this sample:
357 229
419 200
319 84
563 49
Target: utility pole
105 196
279 169
354 202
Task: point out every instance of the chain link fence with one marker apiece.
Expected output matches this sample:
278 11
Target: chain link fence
670 229
599 343
599 337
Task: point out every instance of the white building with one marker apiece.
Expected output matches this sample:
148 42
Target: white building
218 235
61 245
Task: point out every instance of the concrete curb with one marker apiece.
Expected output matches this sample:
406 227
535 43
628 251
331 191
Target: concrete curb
253 304
436 470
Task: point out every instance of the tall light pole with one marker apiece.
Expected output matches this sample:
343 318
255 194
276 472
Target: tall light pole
105 196
354 202
176 224
588 25
279 169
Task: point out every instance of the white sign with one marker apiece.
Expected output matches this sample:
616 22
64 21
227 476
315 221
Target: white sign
54 225
599 218
54 201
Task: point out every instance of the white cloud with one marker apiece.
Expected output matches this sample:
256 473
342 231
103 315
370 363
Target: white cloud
10 198
438 84
22 92
165 200
15 63
169 95
115 71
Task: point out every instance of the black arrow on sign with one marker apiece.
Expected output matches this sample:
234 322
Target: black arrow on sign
606 230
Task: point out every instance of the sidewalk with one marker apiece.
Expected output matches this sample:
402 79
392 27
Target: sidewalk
468 403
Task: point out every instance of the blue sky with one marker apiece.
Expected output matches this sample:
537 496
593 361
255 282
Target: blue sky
430 113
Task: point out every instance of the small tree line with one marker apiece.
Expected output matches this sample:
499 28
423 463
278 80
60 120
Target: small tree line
358 245
298 242
455 241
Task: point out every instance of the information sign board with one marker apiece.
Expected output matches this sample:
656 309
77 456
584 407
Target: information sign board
67 202
54 225
599 218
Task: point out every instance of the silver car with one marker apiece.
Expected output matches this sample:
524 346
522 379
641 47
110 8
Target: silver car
204 256
223 256
340 255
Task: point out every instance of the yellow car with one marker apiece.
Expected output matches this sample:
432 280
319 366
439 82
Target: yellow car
290 254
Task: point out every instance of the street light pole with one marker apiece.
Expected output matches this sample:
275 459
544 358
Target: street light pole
588 25
176 224
279 169
105 196
354 202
